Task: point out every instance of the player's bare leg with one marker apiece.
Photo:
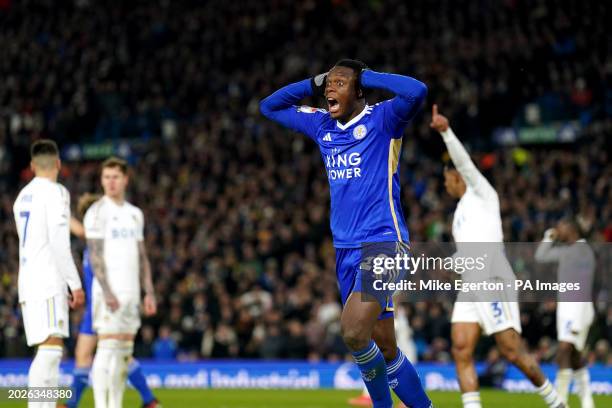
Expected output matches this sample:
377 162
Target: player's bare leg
84 350
357 324
464 336
44 370
511 346
384 336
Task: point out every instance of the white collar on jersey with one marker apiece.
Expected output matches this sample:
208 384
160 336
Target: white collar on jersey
355 119
112 202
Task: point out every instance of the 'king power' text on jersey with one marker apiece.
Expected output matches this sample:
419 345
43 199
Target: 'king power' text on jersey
361 157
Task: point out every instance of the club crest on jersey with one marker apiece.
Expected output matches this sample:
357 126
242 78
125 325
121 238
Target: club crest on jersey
360 132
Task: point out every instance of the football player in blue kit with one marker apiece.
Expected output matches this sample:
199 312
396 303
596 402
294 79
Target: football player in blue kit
360 146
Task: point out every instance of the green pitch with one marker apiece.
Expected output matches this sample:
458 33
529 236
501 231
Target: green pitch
174 398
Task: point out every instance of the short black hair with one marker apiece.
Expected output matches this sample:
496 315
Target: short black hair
357 66
574 224
44 147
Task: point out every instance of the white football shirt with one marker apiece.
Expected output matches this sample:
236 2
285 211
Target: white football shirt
121 228
42 217
477 218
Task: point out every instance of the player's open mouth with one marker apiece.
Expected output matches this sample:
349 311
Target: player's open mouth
334 106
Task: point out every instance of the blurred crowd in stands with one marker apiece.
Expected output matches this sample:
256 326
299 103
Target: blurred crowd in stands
237 208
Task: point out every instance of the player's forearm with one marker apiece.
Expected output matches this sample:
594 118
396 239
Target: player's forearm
546 252
76 227
460 157
96 257
285 97
60 245
410 93
146 276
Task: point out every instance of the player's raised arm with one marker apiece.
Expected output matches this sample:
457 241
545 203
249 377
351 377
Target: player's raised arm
409 92
282 106
546 251
58 218
459 156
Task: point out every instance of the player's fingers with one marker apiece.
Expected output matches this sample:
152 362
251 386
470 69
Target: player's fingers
434 110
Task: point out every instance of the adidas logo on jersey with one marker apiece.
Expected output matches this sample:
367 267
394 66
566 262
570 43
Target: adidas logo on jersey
327 137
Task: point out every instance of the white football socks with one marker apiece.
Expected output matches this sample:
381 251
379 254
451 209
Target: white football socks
109 372
471 399
583 386
563 381
44 371
548 392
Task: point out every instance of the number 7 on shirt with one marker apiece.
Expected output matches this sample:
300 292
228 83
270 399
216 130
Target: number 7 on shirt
26 215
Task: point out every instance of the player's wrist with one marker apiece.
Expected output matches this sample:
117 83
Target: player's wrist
317 84
549 235
447 134
363 76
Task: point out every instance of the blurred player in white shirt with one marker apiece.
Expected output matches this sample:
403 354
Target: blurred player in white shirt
564 245
114 233
477 219
46 266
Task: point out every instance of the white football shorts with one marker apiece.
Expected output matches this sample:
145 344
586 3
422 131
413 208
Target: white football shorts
45 318
493 317
574 320
125 320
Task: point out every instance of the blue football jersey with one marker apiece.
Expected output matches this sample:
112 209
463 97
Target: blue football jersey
361 157
88 275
